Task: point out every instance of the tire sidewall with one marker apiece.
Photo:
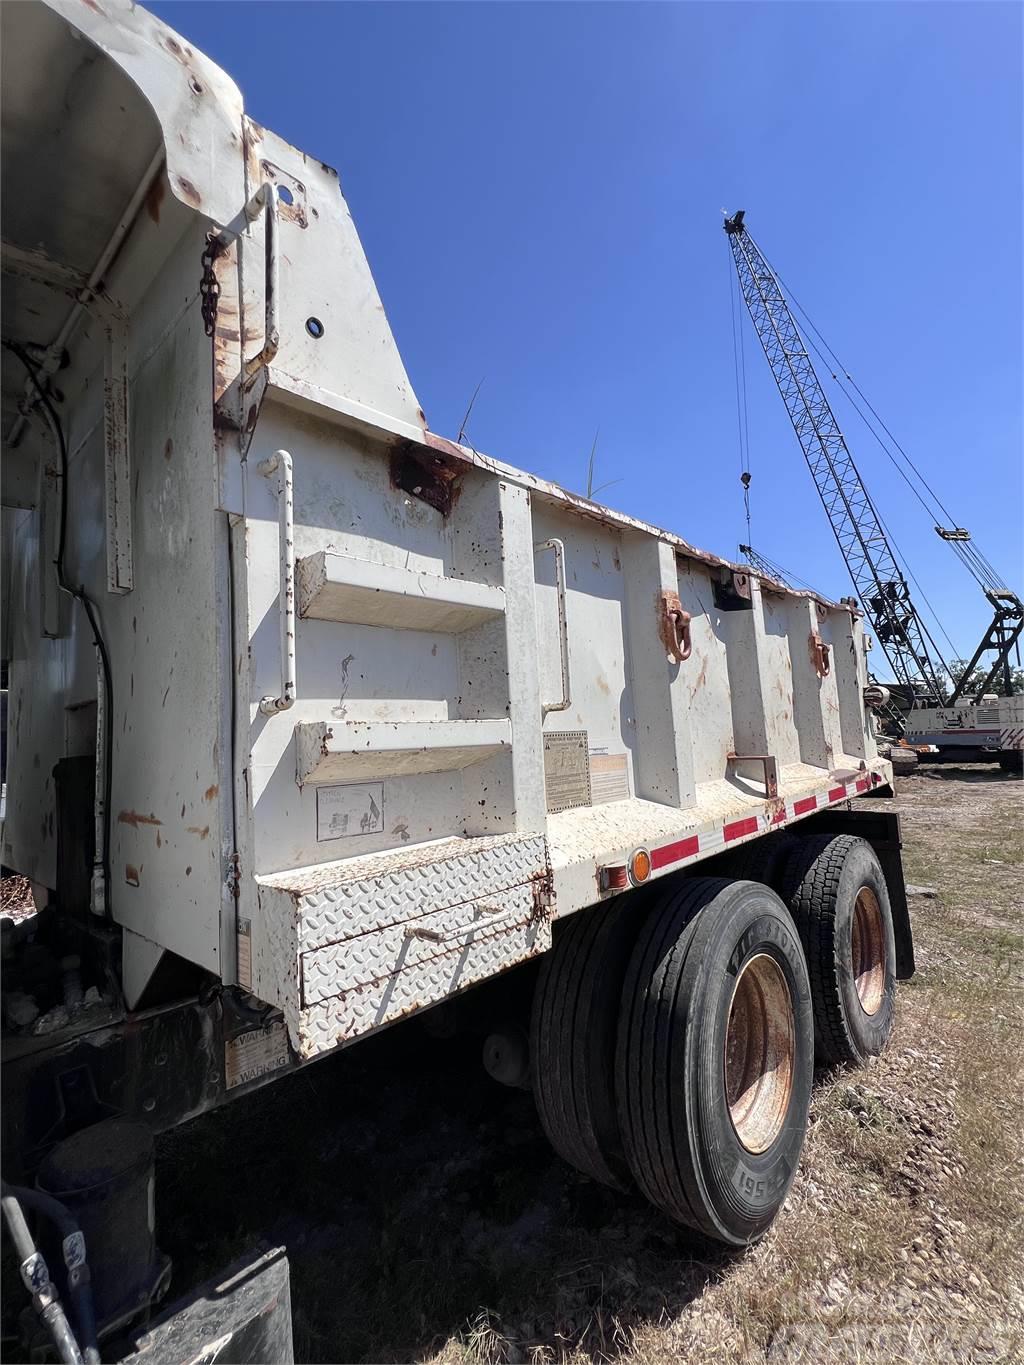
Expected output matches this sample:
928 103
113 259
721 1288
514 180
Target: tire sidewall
745 1189
869 1033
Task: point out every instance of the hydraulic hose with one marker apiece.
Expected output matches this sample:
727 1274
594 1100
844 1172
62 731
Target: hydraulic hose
36 1276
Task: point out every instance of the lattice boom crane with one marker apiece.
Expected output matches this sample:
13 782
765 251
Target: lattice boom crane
880 585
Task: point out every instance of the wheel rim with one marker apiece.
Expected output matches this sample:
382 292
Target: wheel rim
867 951
759 1053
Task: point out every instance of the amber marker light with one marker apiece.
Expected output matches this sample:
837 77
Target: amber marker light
639 866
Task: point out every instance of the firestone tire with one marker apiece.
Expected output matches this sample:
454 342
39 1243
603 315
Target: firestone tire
715 1058
572 1036
837 895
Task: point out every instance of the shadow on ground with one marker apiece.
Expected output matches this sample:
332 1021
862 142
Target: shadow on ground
418 1200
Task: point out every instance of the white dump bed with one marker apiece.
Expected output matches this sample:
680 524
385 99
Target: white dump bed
481 694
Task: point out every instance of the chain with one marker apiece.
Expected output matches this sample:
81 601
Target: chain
209 285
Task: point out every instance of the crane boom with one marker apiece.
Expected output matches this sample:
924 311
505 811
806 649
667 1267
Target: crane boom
878 581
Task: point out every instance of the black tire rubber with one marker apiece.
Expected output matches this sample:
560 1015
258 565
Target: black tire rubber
762 860
823 876
1012 761
678 1136
572 1035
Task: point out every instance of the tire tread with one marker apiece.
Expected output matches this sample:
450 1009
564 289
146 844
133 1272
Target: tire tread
811 880
575 1005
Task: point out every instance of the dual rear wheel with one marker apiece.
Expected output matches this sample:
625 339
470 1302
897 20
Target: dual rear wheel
835 889
675 1029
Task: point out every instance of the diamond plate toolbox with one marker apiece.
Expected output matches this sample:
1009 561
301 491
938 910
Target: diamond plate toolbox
345 948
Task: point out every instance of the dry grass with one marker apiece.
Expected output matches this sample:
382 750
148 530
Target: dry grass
427 1220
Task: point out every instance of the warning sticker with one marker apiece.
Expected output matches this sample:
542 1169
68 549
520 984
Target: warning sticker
566 769
353 809
254 1054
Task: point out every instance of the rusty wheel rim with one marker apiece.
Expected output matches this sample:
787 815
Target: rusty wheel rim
760 1044
867 951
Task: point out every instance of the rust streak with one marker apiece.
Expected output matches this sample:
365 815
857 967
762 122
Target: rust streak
133 818
131 874
211 792
155 198
202 832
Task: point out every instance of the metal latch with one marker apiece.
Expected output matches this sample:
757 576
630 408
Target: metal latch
674 627
263 201
819 654
233 875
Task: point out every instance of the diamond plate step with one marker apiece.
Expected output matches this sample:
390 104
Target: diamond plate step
343 948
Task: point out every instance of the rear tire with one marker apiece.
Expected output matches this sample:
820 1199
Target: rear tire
837 895
1012 761
762 860
715 1057
572 1036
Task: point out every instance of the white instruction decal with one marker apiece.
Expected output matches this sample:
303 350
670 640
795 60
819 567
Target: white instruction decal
255 1054
609 777
245 953
356 808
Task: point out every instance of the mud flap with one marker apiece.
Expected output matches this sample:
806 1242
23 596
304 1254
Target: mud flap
241 1317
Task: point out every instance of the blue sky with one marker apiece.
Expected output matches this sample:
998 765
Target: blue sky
538 187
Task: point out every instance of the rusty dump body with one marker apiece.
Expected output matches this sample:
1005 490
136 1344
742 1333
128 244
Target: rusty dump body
365 711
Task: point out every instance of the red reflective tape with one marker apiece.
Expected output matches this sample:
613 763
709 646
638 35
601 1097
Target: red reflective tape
672 853
876 777
862 784
837 793
807 803
740 827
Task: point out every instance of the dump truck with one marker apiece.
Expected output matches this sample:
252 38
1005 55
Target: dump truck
318 720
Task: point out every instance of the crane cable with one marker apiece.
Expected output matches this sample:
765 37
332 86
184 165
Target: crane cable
901 559
964 553
757 560
740 376
973 559
991 579
897 552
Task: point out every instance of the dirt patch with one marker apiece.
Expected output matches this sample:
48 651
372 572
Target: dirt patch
426 1219
16 900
